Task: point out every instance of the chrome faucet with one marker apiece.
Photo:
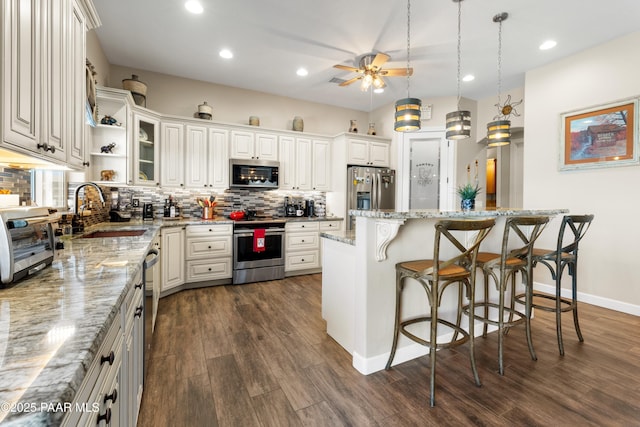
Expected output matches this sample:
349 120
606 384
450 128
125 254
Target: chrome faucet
75 196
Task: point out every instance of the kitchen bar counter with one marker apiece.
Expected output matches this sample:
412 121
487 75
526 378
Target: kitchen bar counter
53 323
358 278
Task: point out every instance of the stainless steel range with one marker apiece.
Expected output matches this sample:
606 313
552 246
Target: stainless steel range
266 262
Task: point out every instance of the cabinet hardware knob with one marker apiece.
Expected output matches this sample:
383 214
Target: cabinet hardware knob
302 260
87 164
209 268
209 247
138 286
302 240
111 357
138 312
210 230
112 397
106 417
47 147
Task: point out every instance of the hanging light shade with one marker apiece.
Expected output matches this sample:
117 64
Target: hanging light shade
458 123
407 116
499 130
499 133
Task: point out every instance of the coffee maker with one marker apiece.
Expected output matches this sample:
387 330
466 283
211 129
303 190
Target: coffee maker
310 208
289 207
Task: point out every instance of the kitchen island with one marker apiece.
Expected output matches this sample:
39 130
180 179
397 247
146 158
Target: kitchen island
358 278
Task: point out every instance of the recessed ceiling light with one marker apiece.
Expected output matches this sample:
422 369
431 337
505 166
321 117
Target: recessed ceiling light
549 44
468 78
193 6
226 54
378 90
302 72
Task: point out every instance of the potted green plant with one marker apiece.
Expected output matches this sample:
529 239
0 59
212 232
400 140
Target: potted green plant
468 195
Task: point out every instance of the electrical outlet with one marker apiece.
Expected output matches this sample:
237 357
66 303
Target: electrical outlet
135 203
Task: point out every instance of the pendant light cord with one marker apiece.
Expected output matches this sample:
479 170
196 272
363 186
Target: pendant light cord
408 43
499 59
459 43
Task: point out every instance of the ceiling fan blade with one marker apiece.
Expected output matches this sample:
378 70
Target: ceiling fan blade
347 68
395 72
380 59
348 82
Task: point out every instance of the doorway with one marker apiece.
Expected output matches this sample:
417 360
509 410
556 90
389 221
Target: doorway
428 157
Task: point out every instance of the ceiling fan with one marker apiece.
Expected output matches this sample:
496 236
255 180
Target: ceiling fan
371 71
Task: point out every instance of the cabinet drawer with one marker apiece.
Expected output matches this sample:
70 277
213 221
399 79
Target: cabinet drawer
302 260
209 230
301 241
206 247
302 226
201 270
330 225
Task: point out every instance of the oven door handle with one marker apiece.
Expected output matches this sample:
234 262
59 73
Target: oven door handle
267 232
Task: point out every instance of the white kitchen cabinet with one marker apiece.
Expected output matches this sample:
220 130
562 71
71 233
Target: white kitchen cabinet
146 152
218 158
116 104
22 70
172 257
76 91
365 152
43 83
302 247
321 165
132 312
102 378
295 163
209 252
207 157
253 145
172 167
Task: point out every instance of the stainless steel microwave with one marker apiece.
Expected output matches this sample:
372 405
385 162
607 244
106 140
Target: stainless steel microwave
246 173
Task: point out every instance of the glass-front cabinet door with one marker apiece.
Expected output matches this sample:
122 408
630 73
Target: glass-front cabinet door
146 149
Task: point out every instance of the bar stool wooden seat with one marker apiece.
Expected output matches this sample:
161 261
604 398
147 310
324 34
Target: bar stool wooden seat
564 256
435 275
504 266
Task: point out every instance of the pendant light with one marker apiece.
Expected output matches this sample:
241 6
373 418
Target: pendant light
499 130
458 123
407 117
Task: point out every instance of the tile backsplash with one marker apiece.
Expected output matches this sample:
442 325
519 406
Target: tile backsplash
18 181
268 203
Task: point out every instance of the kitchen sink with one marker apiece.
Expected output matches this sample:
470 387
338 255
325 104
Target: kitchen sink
113 233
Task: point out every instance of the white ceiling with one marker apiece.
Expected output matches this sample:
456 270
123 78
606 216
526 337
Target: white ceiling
271 39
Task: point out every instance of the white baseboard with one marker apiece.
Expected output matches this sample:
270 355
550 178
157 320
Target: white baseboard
591 299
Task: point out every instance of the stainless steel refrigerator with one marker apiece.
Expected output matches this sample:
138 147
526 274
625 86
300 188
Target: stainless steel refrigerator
370 189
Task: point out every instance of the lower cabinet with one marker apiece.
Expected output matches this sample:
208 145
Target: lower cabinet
209 252
111 392
302 247
172 257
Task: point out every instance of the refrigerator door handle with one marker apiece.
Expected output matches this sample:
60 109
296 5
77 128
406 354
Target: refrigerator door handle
375 194
379 189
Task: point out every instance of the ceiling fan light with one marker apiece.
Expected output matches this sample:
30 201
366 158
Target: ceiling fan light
458 125
499 133
377 82
407 117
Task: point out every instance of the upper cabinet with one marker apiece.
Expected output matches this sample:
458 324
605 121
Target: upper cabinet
172 155
364 151
321 170
146 134
253 145
43 84
207 157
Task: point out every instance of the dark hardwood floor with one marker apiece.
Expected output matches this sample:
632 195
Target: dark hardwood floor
258 355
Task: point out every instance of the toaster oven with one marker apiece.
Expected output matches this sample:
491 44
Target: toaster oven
26 242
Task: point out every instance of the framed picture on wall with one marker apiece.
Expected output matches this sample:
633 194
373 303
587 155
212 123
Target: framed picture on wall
601 136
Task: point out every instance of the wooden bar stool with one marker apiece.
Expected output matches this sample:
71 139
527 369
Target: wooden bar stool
435 275
502 266
565 255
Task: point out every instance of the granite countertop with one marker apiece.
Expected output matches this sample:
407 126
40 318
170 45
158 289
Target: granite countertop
435 213
348 237
53 323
